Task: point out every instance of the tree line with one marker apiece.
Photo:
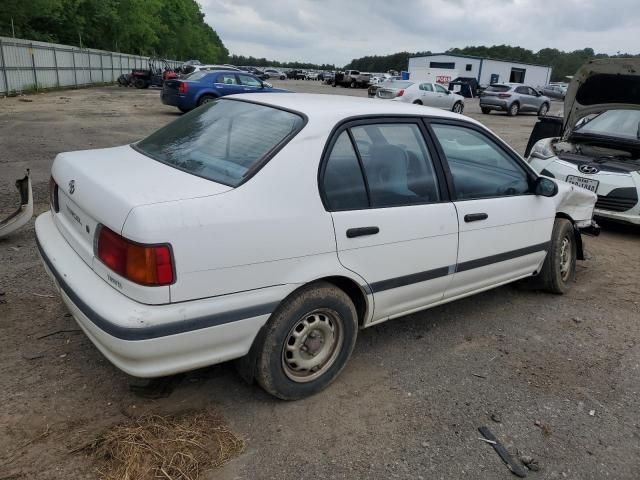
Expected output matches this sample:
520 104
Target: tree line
173 29
563 63
263 62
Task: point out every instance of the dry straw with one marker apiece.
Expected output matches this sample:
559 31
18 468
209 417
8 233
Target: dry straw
174 448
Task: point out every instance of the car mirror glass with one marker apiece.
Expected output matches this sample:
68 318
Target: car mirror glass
546 187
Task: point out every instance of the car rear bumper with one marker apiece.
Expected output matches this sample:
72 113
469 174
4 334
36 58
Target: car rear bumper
171 99
493 104
153 340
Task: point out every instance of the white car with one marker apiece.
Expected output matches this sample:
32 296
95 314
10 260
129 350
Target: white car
432 95
597 144
272 227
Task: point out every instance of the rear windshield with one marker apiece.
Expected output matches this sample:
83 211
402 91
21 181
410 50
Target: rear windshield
498 88
398 84
197 75
224 141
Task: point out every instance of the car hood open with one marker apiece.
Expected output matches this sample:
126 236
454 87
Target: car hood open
600 85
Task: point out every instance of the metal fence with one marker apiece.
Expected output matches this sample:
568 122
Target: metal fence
30 65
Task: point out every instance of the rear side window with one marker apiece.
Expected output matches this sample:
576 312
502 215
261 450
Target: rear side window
224 141
343 183
498 88
227 78
389 167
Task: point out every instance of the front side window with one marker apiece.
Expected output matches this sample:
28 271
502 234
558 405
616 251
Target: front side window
249 81
223 141
440 88
480 169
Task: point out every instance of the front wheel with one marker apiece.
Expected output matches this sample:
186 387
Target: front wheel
544 108
559 268
307 342
485 110
353 84
458 108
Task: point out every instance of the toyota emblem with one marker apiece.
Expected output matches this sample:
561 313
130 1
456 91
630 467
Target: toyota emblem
72 187
588 169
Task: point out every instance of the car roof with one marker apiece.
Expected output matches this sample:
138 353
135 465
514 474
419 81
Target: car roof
334 108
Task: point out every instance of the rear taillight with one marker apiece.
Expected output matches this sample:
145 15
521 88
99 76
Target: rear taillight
53 195
400 93
150 265
183 87
504 95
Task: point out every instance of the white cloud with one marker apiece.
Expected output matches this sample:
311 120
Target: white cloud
335 31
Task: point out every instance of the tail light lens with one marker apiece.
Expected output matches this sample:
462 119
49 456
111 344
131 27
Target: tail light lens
150 265
400 93
183 87
504 95
53 195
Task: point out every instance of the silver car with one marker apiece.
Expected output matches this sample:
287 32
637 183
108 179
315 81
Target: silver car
392 89
513 98
554 91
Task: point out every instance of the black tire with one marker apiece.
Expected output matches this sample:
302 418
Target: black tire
544 108
353 84
184 110
275 367
416 102
485 110
282 77
140 83
514 109
205 99
458 107
559 268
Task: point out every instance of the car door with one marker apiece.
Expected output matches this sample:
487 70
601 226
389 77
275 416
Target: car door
427 95
249 83
536 99
504 228
444 99
394 223
227 83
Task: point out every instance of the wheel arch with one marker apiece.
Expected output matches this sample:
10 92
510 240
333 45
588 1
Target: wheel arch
358 294
576 233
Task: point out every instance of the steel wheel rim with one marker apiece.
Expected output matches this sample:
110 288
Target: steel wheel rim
514 109
565 258
312 345
457 108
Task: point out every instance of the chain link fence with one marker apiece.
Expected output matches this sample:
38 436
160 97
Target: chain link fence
31 66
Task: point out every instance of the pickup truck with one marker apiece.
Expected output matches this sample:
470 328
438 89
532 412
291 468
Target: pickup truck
352 78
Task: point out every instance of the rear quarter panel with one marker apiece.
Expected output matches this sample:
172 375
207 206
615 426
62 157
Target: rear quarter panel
272 230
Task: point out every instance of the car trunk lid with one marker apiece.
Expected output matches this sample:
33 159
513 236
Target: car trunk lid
103 186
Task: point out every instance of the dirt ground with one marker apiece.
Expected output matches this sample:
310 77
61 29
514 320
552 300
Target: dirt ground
559 375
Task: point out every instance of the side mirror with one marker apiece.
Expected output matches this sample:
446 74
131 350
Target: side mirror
448 92
545 187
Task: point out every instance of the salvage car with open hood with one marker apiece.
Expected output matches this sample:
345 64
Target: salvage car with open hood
597 143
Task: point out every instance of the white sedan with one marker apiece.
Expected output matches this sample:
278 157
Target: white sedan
271 227
432 95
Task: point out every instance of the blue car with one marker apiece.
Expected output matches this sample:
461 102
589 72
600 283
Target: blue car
202 87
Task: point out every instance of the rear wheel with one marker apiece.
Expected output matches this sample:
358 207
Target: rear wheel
513 109
183 110
416 102
307 342
485 110
353 84
544 108
458 107
206 99
140 83
559 268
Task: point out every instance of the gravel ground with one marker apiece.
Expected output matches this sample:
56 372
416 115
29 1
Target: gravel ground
556 378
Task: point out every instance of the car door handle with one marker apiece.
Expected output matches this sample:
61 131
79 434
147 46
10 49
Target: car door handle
475 217
362 231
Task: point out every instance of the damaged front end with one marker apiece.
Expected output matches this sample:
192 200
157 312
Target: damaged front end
24 211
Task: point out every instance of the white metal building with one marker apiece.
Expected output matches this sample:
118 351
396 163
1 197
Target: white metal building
487 71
